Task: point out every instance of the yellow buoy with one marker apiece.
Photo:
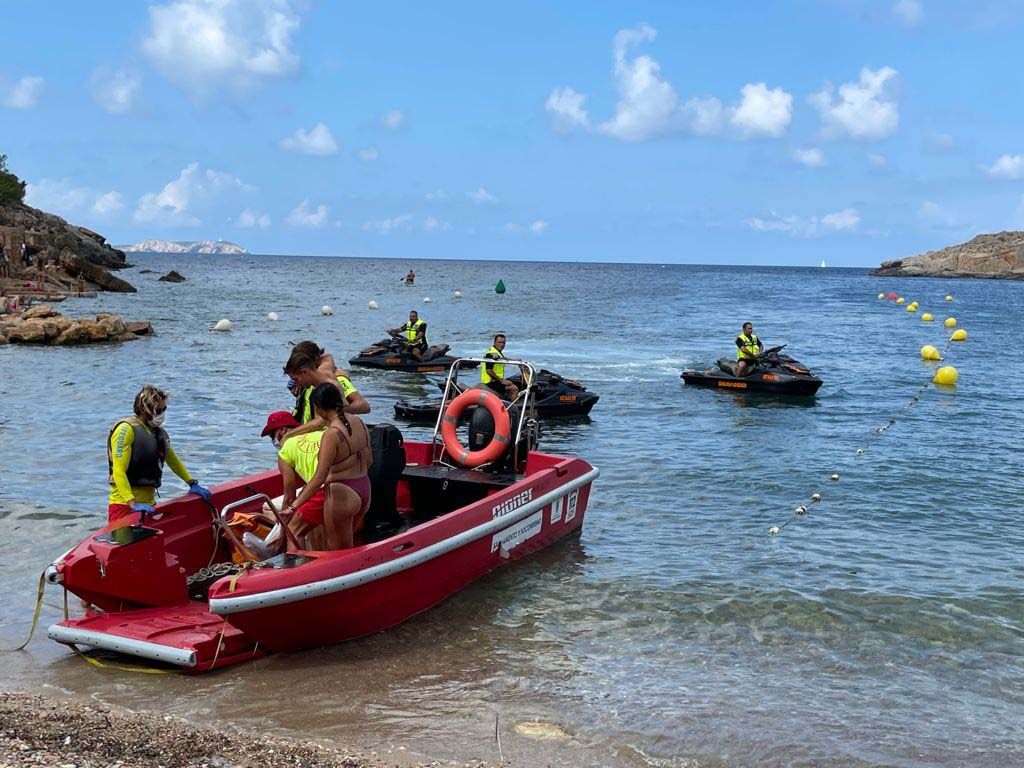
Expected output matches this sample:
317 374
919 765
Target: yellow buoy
959 335
928 352
950 322
911 307
881 295
949 298
947 374
901 300
927 317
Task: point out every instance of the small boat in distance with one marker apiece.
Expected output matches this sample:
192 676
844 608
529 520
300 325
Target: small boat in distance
823 264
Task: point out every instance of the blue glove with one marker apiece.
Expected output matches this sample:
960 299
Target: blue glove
144 509
198 490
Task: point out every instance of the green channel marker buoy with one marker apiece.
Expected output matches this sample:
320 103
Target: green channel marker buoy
500 287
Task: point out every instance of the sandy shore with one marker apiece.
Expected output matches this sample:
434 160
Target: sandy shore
41 731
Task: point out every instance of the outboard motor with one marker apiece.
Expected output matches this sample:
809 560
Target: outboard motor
481 430
388 450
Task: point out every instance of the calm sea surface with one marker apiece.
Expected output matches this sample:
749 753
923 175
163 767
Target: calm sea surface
885 628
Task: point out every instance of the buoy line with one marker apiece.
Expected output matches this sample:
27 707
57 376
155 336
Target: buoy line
958 335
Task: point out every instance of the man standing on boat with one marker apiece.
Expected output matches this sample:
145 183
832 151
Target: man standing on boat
492 375
137 449
415 336
748 348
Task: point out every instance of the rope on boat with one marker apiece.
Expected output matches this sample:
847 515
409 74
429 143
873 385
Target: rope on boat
35 615
215 571
867 441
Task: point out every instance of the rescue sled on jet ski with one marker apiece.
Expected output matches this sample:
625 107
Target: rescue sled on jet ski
554 396
393 355
181 588
772 373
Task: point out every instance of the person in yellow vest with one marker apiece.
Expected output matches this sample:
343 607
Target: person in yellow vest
748 347
492 375
414 335
324 362
137 449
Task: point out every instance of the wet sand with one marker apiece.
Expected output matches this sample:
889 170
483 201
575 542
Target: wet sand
37 730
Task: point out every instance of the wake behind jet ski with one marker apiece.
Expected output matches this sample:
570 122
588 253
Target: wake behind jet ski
555 396
770 372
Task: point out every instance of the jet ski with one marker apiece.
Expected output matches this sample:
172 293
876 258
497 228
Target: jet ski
393 355
554 395
772 373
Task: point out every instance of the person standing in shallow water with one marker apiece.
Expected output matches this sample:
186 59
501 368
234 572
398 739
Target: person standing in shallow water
137 449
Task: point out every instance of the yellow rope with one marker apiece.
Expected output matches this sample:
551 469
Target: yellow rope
35 616
100 665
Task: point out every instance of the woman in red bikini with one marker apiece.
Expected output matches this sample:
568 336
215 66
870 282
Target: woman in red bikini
342 464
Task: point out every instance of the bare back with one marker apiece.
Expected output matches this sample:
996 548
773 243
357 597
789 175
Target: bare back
352 457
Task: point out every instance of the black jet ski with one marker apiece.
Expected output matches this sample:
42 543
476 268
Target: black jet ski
393 355
772 373
554 397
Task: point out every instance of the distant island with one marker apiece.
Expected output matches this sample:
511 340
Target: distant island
184 246
988 256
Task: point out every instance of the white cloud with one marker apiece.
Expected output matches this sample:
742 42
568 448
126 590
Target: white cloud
845 220
24 94
437 196
539 227
173 204
387 226
936 217
762 112
812 157
566 109
307 218
878 161
208 46
1007 167
316 141
368 155
512 229
62 197
393 120
481 196
867 109
910 13
434 224
939 142
115 91
250 219
649 106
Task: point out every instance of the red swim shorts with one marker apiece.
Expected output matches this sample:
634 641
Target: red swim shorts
312 511
117 511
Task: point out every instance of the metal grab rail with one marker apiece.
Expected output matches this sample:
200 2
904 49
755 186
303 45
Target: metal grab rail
223 525
527 395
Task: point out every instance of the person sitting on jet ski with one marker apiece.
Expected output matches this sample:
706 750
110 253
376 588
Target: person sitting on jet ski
748 348
415 335
492 375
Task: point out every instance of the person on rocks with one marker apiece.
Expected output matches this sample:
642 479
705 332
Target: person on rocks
414 335
343 461
137 449
492 375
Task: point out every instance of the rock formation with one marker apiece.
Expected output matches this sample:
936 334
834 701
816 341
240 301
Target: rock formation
172 277
990 256
185 246
45 325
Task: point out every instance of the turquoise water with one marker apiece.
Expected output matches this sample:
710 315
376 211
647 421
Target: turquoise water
885 628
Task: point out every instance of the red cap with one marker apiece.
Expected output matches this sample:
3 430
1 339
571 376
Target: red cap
278 419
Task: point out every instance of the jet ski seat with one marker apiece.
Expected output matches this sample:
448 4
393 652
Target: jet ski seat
728 366
435 351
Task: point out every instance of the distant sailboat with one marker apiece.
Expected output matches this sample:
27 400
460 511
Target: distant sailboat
823 264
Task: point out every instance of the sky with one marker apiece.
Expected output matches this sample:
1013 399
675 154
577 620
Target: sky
760 133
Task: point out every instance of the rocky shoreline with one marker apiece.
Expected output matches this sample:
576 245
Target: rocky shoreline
37 730
45 325
994 257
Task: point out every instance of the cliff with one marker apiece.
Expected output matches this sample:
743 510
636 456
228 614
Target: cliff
77 251
185 246
990 256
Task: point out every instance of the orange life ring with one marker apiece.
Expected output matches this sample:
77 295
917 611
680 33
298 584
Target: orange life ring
502 428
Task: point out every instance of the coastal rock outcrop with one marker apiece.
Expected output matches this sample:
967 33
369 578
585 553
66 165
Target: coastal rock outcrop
989 256
172 277
44 325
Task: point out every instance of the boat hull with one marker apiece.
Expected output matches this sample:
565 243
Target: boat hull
797 386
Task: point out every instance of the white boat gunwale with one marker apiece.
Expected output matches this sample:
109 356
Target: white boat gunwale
183 657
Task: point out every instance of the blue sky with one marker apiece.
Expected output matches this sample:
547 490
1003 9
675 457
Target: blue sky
748 133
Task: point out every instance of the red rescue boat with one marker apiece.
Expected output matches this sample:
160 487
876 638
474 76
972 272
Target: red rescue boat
170 590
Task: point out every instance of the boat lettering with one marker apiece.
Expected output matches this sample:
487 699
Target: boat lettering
556 509
769 377
570 511
431 368
733 384
510 505
393 360
518 533
567 398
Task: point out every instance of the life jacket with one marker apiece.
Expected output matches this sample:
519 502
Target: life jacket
149 451
749 348
499 370
411 330
303 410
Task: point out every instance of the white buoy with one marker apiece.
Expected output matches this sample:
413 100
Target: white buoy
801 510
815 497
325 310
773 530
222 325
834 477
426 299
458 294
372 304
272 316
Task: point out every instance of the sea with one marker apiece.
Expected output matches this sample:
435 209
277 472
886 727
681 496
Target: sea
885 627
